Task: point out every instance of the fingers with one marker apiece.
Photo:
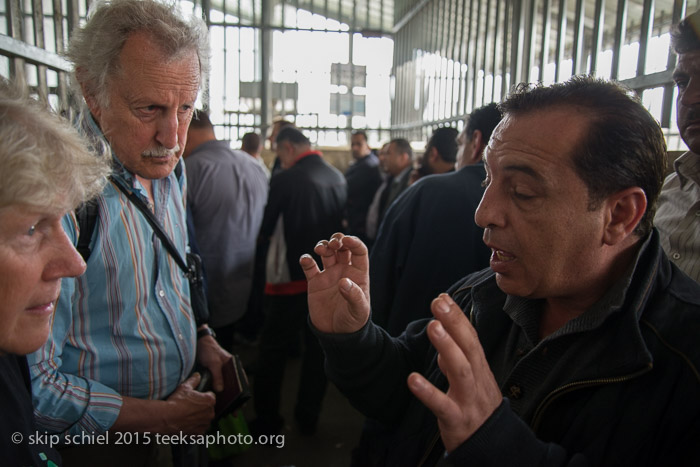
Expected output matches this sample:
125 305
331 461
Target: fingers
457 325
326 252
217 378
343 249
359 256
309 266
444 408
193 381
452 360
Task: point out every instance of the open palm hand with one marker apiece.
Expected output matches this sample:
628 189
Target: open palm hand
338 294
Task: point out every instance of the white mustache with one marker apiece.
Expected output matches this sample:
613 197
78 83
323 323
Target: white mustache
161 151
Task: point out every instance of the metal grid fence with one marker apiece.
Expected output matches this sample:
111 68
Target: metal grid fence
449 56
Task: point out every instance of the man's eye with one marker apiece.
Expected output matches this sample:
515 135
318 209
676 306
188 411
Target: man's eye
31 231
522 196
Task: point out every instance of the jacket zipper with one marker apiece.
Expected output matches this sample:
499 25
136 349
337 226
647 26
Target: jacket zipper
552 396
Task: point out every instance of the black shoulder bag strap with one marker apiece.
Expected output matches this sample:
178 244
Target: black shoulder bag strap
193 267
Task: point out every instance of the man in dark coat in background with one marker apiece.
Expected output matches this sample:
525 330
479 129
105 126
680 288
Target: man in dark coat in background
410 265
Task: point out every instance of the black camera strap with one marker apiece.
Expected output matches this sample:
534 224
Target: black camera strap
151 218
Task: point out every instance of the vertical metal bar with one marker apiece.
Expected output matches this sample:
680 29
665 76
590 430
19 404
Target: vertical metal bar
351 62
224 29
531 43
448 48
517 40
296 13
679 7
433 40
475 58
546 30
459 56
14 13
39 41
644 35
410 68
619 39
494 58
468 60
408 71
440 39
597 39
508 34
284 11
367 16
401 80
561 40
428 44
485 54
451 107
62 90
577 57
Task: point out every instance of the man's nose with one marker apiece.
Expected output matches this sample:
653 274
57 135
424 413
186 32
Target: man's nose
489 213
168 127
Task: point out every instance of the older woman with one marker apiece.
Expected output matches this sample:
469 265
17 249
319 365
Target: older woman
45 171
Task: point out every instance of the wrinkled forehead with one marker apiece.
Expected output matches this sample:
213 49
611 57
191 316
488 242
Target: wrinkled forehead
541 137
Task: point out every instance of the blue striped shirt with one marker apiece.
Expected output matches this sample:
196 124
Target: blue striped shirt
125 327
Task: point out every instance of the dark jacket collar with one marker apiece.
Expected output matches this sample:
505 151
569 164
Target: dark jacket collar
618 341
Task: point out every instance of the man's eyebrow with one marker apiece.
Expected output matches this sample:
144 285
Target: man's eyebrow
525 169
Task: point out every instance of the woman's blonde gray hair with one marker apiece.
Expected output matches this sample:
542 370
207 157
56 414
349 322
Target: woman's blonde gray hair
95 47
44 161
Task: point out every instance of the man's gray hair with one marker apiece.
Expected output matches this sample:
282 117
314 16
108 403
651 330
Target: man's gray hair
95 48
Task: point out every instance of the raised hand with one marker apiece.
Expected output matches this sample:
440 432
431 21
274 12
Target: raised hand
473 394
338 295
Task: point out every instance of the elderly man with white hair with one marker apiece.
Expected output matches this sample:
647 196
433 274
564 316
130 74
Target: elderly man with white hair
124 339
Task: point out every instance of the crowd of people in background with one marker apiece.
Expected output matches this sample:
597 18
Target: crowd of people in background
534 280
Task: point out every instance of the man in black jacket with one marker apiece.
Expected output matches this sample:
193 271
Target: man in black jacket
578 346
305 203
411 240
363 178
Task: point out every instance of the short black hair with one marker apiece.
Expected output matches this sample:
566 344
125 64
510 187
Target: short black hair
250 143
360 133
684 36
484 119
622 147
403 145
200 120
293 135
444 139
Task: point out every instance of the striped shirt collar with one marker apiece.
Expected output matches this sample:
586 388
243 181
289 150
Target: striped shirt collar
687 166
